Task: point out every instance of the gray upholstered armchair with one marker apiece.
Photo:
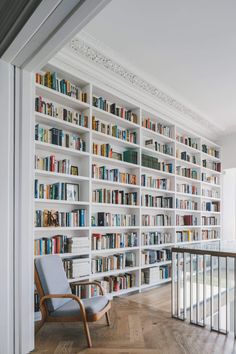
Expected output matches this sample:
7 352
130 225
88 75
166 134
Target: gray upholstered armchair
58 304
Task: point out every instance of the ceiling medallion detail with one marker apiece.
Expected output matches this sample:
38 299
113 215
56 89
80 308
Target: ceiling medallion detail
80 47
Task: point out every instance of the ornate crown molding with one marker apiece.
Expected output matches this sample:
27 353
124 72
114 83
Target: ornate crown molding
86 50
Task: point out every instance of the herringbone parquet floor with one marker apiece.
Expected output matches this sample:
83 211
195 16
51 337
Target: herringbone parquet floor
141 324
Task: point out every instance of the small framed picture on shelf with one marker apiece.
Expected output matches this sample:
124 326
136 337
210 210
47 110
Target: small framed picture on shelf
74 171
72 192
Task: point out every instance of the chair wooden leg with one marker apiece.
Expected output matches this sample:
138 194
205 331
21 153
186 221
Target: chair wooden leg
87 332
108 318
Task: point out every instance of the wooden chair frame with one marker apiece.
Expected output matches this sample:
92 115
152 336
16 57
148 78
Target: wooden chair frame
82 318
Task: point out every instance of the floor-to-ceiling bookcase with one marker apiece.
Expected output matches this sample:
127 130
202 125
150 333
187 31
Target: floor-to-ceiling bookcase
161 187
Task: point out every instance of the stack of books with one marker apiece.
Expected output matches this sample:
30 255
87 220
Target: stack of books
114 240
79 244
76 267
156 238
154 163
108 219
113 175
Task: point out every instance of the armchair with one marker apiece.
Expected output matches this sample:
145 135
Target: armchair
58 304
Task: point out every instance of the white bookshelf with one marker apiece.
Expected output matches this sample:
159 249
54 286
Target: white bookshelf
85 160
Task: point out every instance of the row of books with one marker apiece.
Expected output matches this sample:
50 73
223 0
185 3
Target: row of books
56 111
104 195
106 150
53 245
155 274
114 131
186 188
61 244
51 164
115 283
210 151
186 140
186 204
113 262
154 163
113 175
211 206
186 172
210 179
77 267
56 191
113 108
183 155
149 200
79 290
108 219
186 220
156 220
155 256
209 220
59 137
210 234
153 238
157 127
114 240
66 87
163 148
157 183
214 166
210 193
54 218
187 235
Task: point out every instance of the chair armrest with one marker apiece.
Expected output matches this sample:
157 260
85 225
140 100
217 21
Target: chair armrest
63 296
89 283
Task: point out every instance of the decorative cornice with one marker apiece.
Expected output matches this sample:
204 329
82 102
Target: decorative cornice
84 49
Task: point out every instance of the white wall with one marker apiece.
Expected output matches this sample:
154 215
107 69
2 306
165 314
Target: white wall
228 151
228 156
229 204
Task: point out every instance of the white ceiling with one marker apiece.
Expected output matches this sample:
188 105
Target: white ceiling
185 47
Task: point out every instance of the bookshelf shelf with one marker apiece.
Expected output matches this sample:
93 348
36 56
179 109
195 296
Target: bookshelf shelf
101 137
60 175
163 156
60 98
59 123
115 162
107 228
211 184
157 208
115 184
187 148
208 170
55 148
187 163
188 195
114 250
110 205
157 264
99 113
155 171
188 179
60 202
125 171
210 157
114 272
58 228
163 245
156 135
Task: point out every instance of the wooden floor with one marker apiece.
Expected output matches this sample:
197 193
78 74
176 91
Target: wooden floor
141 324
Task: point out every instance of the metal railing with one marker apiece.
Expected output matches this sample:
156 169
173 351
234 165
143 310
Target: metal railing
204 286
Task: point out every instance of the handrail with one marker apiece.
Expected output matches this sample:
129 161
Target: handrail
204 285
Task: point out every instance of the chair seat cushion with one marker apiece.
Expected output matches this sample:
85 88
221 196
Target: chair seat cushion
72 308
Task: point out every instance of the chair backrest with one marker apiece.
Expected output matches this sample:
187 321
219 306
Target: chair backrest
53 279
